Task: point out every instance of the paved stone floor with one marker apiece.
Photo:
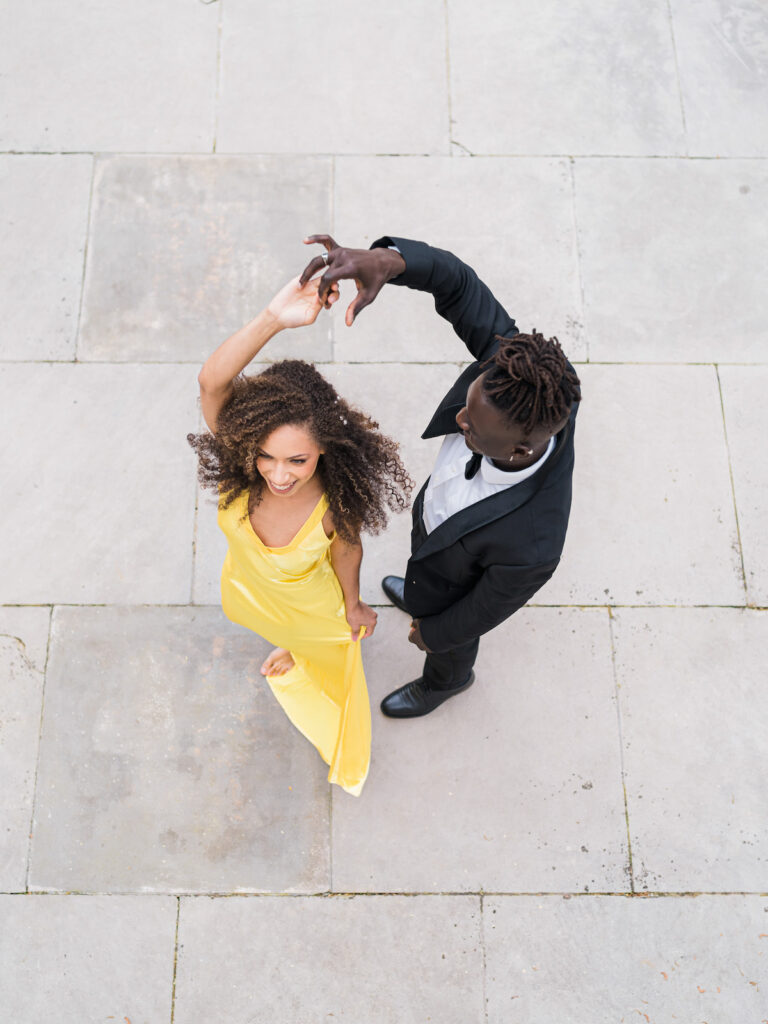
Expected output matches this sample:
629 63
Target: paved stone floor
583 838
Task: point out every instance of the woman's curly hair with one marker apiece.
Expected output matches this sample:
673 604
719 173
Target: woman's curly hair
360 470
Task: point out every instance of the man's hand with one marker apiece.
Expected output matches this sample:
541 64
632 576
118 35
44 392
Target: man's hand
370 269
415 637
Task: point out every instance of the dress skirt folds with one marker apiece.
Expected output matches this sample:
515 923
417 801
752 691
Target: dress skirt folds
292 597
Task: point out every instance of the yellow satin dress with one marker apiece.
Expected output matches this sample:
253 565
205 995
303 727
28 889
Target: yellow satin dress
292 597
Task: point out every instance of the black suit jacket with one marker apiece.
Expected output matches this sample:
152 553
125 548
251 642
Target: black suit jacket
483 563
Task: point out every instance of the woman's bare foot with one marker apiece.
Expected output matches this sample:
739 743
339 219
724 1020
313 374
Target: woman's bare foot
278 663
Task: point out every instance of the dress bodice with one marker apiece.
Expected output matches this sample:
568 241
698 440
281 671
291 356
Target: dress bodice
293 562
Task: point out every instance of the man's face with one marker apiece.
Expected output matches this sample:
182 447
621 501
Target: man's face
488 431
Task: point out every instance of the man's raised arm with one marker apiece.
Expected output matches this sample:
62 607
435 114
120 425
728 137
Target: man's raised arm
459 294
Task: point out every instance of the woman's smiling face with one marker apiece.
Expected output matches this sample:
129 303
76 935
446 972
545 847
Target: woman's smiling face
288 459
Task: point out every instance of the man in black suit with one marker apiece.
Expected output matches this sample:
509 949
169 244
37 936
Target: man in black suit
489 524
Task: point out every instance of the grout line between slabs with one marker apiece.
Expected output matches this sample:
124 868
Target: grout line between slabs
175 959
217 92
616 688
733 487
677 77
372 362
449 98
291 154
485 958
85 260
37 758
577 244
645 894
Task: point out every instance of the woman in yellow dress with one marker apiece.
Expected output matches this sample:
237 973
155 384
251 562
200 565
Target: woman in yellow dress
299 474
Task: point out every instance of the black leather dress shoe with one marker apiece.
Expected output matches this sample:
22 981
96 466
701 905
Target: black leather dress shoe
394 588
416 698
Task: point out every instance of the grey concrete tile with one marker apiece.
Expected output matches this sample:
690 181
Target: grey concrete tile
86 959
184 250
573 78
652 519
377 959
379 87
693 707
23 644
97 76
511 220
605 959
671 259
401 399
722 53
44 220
744 390
98 501
514 786
167 765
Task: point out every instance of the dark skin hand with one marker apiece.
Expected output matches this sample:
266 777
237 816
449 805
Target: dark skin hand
370 269
415 637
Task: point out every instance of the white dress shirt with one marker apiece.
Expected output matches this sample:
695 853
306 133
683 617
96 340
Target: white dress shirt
449 491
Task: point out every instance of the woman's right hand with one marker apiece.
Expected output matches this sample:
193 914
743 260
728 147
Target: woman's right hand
297 305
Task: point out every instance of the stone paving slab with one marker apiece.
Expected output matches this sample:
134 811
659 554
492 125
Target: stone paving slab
511 220
166 765
616 960
576 78
671 259
109 76
722 52
185 250
378 959
401 399
44 227
98 501
652 519
86 959
514 786
23 645
744 390
693 707
370 79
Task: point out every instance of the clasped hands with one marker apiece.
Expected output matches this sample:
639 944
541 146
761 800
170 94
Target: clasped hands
370 269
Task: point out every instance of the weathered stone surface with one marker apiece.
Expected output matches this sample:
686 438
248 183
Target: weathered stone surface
513 786
185 250
744 390
95 76
693 706
652 519
167 765
671 259
97 500
369 79
86 959
511 220
23 644
44 227
377 959
722 53
553 78
605 959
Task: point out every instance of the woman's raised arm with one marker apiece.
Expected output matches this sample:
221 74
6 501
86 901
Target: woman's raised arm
294 305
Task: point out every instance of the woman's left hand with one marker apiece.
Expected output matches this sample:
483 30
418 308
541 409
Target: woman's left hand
361 615
298 305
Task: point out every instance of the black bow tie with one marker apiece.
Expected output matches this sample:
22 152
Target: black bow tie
473 464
